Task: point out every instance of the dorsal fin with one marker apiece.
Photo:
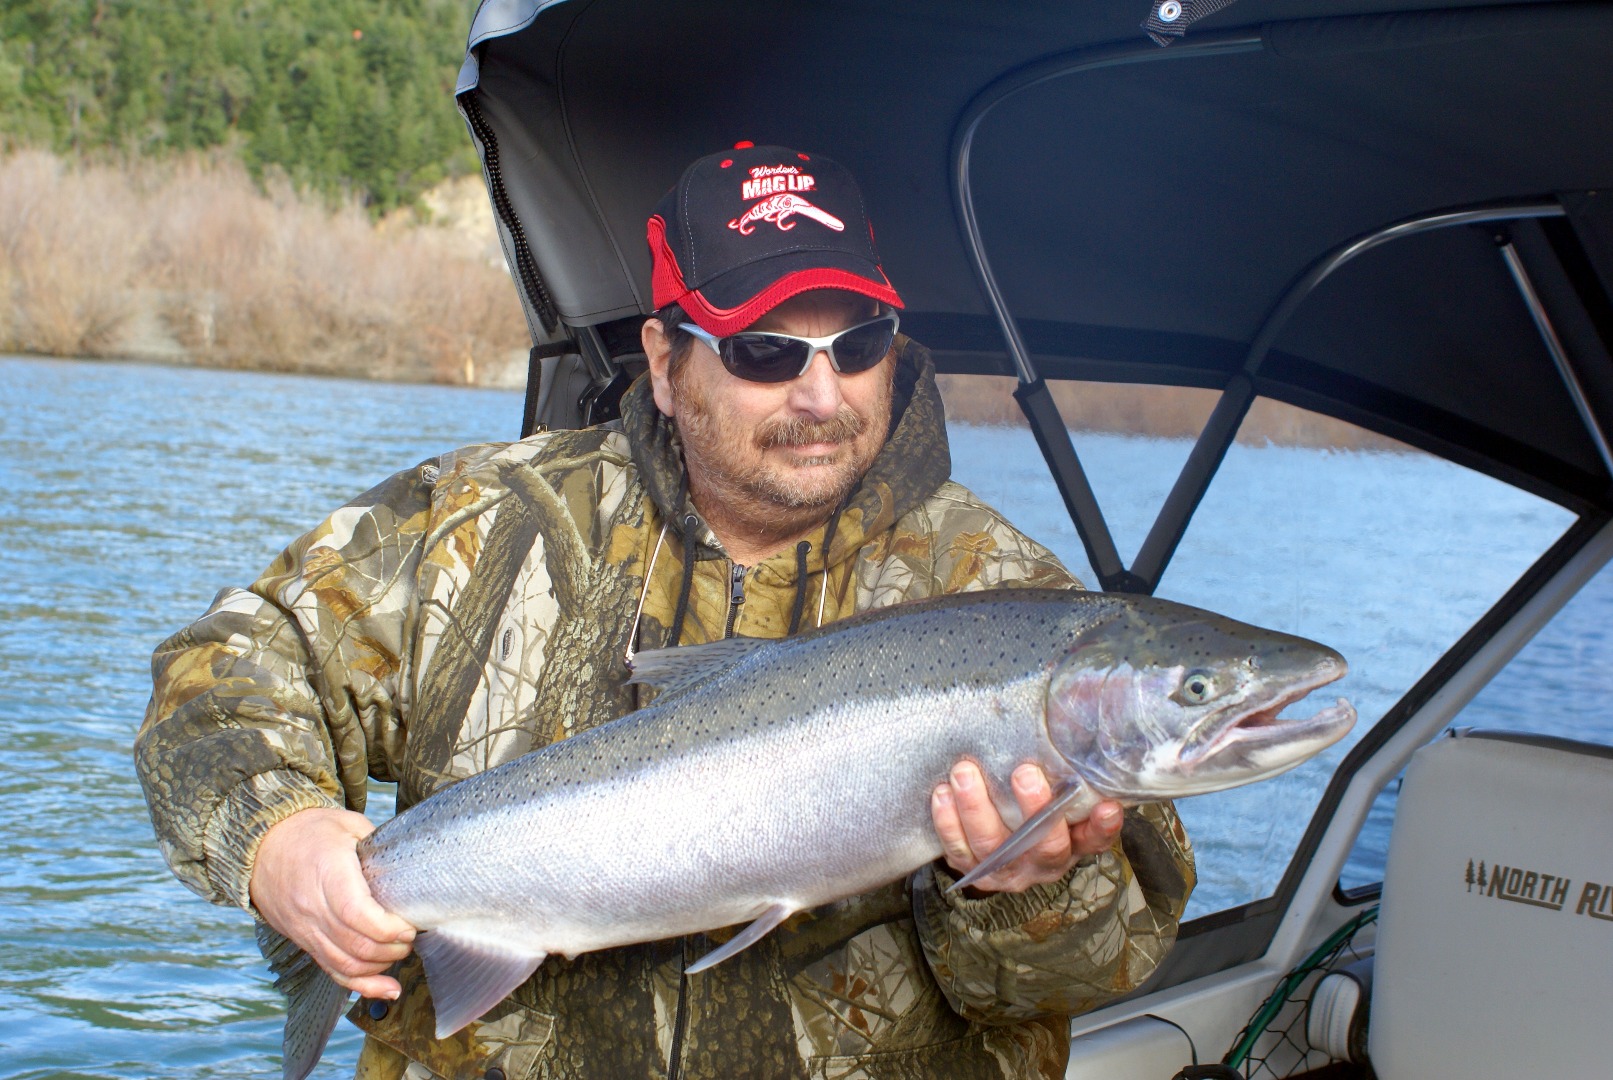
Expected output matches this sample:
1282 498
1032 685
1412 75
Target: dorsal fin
673 670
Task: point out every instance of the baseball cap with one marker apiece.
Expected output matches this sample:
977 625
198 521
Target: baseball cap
748 228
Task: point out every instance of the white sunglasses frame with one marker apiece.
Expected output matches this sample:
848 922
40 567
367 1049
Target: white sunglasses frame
815 345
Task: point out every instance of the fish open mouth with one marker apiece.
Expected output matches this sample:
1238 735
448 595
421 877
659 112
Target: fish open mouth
1261 726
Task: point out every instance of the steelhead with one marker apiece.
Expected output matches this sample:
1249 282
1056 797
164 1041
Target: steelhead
773 776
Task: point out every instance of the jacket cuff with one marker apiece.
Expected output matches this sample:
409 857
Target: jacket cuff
231 837
1009 957
1003 910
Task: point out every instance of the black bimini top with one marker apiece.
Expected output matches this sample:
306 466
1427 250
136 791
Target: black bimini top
1397 213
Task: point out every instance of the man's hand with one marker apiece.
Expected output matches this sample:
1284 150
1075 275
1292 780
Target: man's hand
307 884
970 828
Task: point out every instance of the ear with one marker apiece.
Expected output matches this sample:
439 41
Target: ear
659 352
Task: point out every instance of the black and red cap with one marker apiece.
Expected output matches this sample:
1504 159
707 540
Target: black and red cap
746 229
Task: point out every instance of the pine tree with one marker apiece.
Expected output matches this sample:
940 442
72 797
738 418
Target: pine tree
342 95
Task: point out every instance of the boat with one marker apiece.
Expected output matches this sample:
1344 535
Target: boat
1393 214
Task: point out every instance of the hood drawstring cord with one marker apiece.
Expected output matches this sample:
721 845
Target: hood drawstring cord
828 539
690 524
688 576
801 550
644 591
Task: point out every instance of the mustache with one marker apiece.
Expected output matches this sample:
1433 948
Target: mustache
844 426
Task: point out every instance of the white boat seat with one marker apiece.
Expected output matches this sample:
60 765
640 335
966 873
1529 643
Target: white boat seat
1495 939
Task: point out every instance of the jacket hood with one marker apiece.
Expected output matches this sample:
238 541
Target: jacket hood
914 461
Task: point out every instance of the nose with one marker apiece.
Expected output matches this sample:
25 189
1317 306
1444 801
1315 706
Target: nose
816 391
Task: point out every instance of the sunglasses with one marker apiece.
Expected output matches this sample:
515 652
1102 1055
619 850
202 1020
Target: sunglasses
764 357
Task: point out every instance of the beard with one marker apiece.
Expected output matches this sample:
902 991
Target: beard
731 469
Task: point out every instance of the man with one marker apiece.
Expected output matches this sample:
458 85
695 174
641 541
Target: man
784 464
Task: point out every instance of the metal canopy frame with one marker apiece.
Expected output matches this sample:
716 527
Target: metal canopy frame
1239 392
1222 427
1032 394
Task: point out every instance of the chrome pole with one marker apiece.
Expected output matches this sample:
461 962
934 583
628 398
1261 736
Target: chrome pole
1559 355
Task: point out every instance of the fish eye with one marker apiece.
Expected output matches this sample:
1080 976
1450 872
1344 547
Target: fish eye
1197 687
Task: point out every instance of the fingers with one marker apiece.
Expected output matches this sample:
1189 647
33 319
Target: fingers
983 826
307 883
954 844
970 828
1098 832
355 936
363 927
1032 792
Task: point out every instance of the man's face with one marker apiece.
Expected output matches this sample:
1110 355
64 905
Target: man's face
788 450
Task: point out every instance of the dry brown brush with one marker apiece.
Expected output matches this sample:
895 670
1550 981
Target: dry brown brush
67 264
1157 411
192 257
97 260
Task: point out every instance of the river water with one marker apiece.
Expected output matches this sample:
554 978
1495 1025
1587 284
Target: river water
132 493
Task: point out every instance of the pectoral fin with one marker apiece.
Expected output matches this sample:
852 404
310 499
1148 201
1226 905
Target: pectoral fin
747 937
1023 838
468 977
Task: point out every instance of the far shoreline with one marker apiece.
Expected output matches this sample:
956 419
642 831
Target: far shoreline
1125 410
181 364
190 263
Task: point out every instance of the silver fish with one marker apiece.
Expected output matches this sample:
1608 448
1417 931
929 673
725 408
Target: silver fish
770 777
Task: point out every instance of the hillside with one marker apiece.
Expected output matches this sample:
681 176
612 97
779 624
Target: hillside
342 97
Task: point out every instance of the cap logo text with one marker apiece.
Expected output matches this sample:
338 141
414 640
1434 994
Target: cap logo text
772 179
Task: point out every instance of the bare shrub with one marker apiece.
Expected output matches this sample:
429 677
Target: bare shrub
238 275
1157 411
257 279
70 243
1121 408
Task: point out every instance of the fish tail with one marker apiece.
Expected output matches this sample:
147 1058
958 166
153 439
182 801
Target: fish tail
314 1002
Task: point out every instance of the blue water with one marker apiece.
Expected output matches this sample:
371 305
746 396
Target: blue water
132 493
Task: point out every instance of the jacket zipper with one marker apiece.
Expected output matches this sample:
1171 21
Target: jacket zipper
736 597
674 1065
680 1021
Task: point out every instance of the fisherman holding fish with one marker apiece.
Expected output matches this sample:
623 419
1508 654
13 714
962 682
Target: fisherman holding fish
782 465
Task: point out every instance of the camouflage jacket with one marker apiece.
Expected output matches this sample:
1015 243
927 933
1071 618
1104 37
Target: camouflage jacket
479 606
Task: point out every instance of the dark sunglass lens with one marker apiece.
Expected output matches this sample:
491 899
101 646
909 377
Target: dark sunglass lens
764 357
861 347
